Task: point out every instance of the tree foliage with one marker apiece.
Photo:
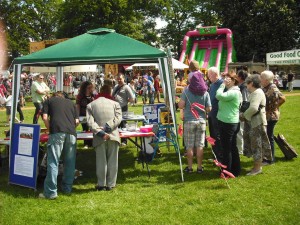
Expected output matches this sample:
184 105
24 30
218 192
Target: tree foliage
182 16
31 20
128 17
260 26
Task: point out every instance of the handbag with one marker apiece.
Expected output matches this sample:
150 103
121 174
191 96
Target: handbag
288 150
245 105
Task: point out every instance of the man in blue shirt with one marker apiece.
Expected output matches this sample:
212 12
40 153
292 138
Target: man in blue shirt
150 88
216 81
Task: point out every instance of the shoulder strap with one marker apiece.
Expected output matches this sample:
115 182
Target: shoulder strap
184 91
118 89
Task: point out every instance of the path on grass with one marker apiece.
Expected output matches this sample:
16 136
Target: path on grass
291 94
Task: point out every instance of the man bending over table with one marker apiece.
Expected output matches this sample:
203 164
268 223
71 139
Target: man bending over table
103 117
60 118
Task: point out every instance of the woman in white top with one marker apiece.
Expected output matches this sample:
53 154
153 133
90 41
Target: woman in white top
256 142
8 102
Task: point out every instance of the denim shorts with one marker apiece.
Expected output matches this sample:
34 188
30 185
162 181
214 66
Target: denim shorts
194 134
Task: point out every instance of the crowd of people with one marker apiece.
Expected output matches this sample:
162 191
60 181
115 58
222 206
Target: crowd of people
40 86
103 112
242 111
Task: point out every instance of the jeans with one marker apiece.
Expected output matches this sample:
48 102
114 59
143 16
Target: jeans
151 97
60 145
270 132
231 157
38 112
215 134
284 84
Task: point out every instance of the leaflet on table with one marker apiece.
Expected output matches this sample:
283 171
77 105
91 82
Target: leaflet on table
134 117
130 133
25 140
24 165
150 116
126 132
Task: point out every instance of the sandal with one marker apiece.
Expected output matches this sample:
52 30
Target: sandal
200 170
188 170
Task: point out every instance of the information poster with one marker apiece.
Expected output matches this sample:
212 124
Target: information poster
24 155
152 114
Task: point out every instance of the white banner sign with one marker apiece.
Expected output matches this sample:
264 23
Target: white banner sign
291 57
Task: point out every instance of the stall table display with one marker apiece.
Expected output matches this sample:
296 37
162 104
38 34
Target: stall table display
131 136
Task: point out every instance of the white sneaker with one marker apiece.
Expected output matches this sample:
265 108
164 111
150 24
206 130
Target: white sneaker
41 195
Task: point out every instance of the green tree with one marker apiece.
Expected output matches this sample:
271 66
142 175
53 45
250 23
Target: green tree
128 17
31 20
182 16
260 26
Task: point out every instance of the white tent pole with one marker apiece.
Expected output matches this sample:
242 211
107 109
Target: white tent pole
162 80
59 78
15 97
163 64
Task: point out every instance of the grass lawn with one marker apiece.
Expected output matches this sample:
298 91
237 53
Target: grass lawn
269 198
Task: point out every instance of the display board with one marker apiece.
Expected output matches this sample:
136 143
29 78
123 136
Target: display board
151 112
152 115
24 155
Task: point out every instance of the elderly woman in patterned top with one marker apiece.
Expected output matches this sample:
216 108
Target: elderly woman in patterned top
274 100
256 142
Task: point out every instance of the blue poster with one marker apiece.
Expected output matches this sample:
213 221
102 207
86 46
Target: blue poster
152 115
24 154
151 112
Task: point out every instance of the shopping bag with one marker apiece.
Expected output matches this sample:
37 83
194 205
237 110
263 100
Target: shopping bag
288 150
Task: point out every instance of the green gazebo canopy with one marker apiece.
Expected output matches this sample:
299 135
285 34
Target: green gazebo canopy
96 46
99 46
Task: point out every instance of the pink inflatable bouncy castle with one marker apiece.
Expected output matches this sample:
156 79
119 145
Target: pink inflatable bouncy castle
210 46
